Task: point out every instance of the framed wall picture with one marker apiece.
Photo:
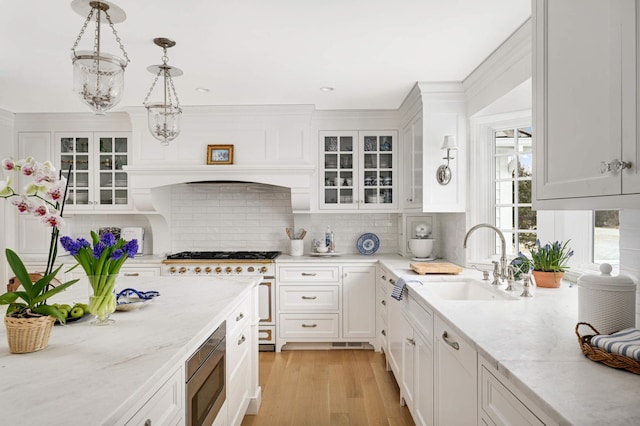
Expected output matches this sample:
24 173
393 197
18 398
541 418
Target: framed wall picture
219 154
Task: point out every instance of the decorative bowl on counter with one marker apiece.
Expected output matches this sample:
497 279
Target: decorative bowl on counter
131 299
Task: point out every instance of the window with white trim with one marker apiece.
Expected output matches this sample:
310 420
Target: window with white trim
606 236
512 213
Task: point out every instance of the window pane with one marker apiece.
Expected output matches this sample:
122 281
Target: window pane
527 218
504 192
505 218
606 236
505 166
524 191
525 165
527 240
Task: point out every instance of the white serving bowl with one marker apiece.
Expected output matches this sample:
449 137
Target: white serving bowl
421 247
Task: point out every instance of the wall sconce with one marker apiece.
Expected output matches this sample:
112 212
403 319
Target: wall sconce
443 174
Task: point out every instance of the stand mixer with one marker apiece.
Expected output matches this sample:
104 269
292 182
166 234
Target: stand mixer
422 245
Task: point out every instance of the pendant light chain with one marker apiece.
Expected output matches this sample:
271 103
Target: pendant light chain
155 80
82 30
115 33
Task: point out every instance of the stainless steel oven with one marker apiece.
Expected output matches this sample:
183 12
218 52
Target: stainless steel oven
205 379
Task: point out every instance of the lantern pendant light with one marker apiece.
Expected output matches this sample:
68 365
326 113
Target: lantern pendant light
98 77
165 117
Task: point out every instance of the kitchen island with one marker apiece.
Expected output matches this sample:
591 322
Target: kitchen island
91 375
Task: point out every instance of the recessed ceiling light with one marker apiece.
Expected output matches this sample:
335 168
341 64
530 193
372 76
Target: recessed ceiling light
202 90
327 89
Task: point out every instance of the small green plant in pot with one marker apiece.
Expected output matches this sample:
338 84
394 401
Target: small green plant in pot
549 262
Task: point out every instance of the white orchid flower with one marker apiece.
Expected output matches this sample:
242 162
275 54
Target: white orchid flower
33 188
9 163
53 220
5 187
40 208
56 191
23 204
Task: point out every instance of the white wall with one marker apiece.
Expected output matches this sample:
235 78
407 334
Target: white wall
7 145
630 250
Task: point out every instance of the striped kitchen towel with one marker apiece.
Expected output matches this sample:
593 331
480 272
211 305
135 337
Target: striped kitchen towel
624 342
400 285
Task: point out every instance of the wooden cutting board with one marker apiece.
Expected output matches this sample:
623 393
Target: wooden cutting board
423 268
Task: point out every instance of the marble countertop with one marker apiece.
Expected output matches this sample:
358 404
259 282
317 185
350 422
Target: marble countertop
532 341
90 375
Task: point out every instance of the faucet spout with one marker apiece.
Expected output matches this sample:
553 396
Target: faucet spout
503 255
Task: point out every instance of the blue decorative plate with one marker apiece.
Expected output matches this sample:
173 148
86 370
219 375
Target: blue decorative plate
368 243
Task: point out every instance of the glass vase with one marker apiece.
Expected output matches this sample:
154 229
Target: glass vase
102 298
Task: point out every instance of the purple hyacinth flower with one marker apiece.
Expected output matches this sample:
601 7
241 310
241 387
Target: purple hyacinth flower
108 239
83 243
98 249
117 254
131 248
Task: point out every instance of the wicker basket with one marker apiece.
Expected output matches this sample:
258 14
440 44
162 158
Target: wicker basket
28 334
600 355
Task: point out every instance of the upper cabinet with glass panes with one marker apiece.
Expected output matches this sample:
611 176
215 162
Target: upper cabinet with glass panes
95 163
358 170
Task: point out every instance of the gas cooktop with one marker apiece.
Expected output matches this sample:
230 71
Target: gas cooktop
224 255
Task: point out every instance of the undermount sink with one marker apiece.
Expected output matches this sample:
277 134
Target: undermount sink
466 290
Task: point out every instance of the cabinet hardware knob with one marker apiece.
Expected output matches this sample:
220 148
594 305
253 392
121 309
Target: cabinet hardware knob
131 274
384 302
383 278
615 166
392 281
309 297
309 325
239 317
383 332
450 342
147 422
308 274
411 341
241 340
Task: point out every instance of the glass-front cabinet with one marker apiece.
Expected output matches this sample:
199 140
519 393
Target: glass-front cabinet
358 170
97 180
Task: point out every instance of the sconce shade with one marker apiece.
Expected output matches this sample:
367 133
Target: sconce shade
449 142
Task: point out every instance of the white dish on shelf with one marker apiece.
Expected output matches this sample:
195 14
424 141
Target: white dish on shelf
423 259
327 254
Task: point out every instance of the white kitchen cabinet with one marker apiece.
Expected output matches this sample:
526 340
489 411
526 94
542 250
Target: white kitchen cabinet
455 377
585 81
395 329
412 163
417 361
383 298
358 298
325 304
501 404
358 170
139 271
166 406
97 180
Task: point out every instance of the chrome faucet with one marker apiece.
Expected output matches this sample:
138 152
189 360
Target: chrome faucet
500 272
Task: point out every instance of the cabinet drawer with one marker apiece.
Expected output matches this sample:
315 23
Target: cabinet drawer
500 405
140 272
237 350
239 317
239 381
465 352
421 318
164 405
305 298
299 274
309 325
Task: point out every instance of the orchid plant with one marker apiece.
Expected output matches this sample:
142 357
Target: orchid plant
43 197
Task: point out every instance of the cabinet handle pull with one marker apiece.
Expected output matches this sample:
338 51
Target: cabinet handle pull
239 317
308 274
147 422
309 297
392 281
450 342
384 302
309 325
131 274
241 340
614 166
412 342
384 333
383 278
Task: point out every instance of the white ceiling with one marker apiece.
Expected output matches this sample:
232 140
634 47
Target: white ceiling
253 52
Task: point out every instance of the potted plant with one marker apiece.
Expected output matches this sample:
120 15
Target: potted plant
29 318
549 262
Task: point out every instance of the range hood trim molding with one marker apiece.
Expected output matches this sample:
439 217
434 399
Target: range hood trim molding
143 181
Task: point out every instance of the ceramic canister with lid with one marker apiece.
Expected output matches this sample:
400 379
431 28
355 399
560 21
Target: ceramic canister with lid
606 302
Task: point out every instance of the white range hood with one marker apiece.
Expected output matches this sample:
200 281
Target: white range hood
147 183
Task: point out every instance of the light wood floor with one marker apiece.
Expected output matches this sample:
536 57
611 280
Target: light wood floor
327 387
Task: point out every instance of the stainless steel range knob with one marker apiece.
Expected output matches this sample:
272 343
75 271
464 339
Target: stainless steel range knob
239 269
218 269
172 270
182 270
263 269
228 269
197 269
207 269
